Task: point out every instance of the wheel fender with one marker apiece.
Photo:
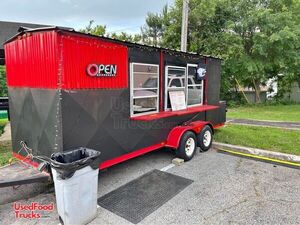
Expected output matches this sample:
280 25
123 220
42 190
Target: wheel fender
177 132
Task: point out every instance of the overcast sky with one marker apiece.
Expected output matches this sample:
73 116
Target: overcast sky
117 15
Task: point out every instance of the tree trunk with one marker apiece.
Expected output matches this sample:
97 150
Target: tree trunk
242 90
256 84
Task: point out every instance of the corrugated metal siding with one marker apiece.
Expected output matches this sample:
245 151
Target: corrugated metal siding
79 52
31 60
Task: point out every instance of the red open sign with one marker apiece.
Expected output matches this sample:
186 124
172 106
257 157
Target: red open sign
99 70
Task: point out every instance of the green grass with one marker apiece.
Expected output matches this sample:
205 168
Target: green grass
288 113
5 146
5 152
2 125
274 139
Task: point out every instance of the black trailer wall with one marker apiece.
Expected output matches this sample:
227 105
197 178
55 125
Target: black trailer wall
100 120
36 120
213 81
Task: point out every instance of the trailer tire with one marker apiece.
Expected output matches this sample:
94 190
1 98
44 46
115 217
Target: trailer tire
205 138
187 146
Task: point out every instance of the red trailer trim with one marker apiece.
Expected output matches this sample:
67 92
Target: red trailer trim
195 126
25 160
165 114
219 125
176 133
130 155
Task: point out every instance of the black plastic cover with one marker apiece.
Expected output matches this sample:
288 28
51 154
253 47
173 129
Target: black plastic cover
66 164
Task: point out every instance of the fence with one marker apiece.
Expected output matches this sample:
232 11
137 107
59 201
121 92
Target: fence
4 108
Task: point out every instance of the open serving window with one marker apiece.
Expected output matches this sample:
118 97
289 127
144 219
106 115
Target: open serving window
183 79
175 80
194 90
144 87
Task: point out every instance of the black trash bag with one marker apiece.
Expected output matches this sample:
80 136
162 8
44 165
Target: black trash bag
67 163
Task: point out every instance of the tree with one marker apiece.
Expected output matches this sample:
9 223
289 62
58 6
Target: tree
153 30
123 36
258 39
99 30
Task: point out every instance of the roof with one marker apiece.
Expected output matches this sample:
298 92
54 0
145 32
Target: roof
131 44
9 29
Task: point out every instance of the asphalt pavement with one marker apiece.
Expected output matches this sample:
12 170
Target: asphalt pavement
264 123
226 190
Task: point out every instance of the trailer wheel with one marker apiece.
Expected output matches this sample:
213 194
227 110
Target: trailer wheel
205 138
187 146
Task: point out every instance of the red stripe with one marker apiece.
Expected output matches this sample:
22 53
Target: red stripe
130 155
25 160
219 125
107 163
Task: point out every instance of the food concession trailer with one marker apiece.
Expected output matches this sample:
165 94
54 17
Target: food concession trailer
68 89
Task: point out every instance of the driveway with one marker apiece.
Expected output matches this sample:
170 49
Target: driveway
264 123
226 190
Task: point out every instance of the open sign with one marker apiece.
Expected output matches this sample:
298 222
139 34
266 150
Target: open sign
100 70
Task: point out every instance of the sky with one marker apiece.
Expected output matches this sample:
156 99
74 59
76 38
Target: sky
117 15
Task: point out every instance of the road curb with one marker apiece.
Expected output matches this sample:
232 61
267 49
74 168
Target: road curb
258 152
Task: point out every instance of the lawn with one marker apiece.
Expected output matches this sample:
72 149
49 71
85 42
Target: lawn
5 146
288 113
274 139
5 152
2 125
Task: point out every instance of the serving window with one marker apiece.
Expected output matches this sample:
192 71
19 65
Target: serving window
183 79
144 89
175 81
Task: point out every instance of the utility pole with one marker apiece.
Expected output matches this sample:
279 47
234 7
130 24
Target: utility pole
184 25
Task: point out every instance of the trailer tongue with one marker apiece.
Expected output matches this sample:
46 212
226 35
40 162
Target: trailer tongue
20 173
